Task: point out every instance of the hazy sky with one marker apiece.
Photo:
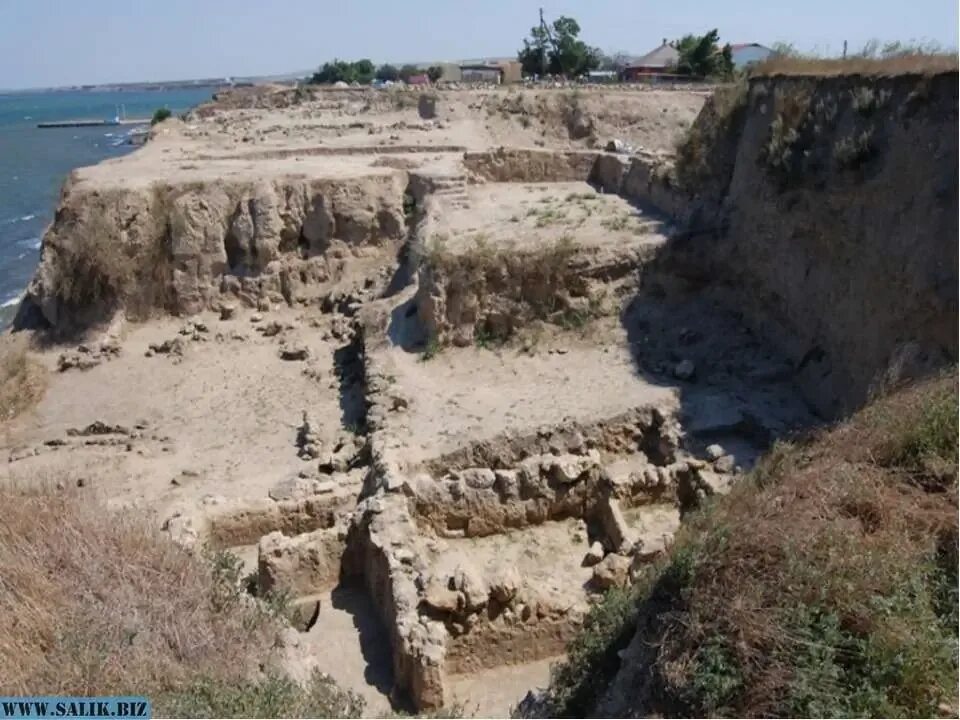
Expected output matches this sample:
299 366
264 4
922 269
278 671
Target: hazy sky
67 42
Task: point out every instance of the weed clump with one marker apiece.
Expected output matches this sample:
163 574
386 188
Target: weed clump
718 123
852 152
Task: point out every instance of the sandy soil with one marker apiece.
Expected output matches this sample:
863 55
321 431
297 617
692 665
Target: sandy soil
219 421
520 215
349 643
495 692
240 144
467 394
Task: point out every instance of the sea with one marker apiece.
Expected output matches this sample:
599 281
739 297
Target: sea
34 162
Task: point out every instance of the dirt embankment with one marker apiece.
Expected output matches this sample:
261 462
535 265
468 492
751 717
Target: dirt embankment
184 247
825 210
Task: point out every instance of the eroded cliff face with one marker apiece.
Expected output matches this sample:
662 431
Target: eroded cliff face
825 210
185 247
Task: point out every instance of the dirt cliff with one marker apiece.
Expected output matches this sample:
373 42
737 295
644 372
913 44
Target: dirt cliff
186 247
825 210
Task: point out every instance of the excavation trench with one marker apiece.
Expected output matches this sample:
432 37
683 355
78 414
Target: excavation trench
434 572
508 362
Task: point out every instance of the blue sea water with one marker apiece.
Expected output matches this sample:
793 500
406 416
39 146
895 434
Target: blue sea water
34 162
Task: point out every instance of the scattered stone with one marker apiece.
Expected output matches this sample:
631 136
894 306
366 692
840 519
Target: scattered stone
439 596
294 352
181 530
594 555
505 483
308 441
715 452
85 357
256 317
725 464
612 571
504 584
478 478
475 590
303 615
271 329
227 312
572 468
616 145
169 347
684 370
193 329
618 533
98 427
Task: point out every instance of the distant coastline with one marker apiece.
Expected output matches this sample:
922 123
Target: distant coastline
35 161
213 83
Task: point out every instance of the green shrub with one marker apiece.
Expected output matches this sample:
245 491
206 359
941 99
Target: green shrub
934 437
160 114
700 150
273 696
592 656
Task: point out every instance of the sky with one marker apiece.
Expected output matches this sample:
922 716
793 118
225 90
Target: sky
48 43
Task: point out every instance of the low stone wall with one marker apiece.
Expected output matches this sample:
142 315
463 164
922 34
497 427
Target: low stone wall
522 165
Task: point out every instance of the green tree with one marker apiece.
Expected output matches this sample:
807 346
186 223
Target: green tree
558 51
361 71
408 71
701 56
434 72
388 72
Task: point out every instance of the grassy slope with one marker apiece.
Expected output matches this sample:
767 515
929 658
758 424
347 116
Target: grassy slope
824 585
94 602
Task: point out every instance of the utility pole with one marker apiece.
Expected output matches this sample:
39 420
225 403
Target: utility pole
844 49
543 46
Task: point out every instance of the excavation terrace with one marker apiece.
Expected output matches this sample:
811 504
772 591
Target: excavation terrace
428 362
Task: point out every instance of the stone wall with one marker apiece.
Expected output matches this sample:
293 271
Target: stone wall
522 165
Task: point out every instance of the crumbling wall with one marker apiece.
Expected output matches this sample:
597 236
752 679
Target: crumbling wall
522 165
834 229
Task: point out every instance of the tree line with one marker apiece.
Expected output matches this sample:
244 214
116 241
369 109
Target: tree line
363 72
558 50
554 49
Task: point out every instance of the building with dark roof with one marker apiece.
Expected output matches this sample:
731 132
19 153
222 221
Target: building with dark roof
656 62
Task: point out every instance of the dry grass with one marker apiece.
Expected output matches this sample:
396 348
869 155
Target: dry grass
824 585
22 379
94 265
717 125
97 269
509 286
918 63
94 602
